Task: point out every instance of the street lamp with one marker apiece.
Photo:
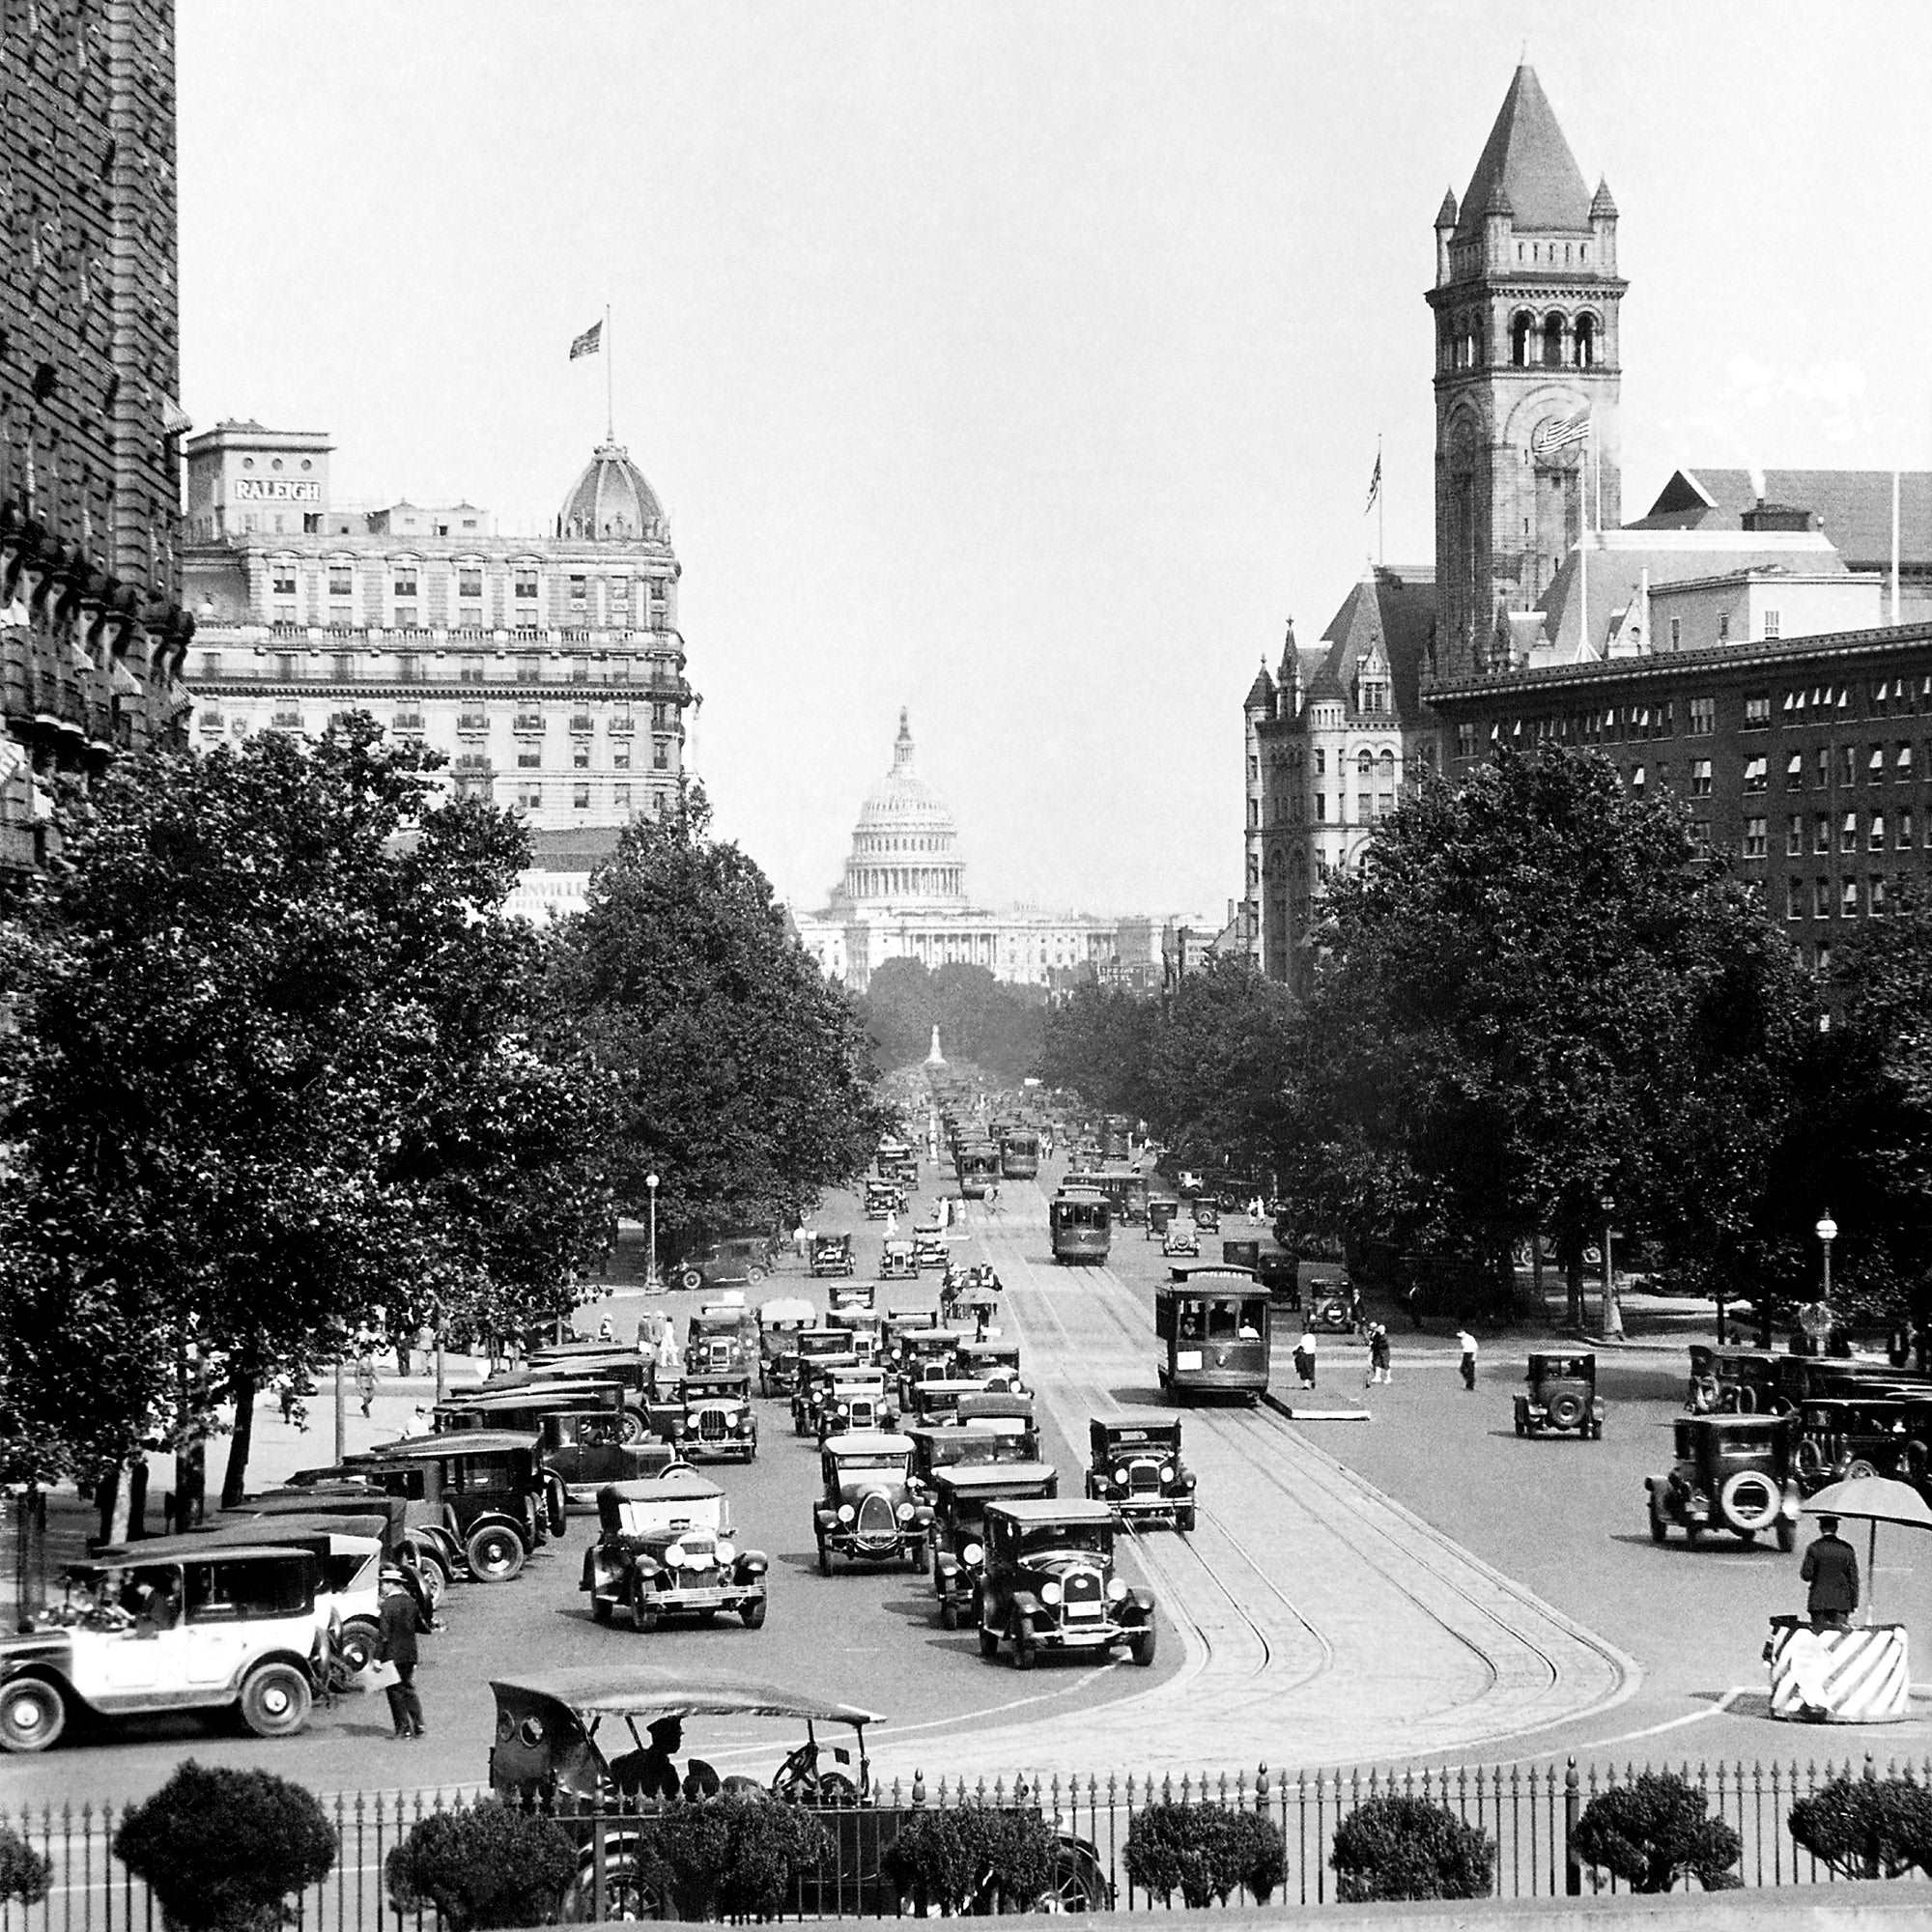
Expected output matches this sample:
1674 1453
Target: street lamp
651 1279
1827 1232
1613 1315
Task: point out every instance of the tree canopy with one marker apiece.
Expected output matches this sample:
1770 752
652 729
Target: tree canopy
743 1079
980 1018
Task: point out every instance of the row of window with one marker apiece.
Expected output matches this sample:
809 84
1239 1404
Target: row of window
533 797
354 667
463 581
1847 897
1840 766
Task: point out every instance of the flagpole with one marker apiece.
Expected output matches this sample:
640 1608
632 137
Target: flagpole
1584 568
1381 508
610 409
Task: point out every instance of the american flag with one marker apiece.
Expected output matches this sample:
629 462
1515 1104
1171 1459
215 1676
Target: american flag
1554 436
589 343
1375 485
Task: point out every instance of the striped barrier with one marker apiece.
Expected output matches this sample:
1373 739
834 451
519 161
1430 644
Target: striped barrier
1859 1676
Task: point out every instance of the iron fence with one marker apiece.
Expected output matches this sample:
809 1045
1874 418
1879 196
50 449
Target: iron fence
1528 1812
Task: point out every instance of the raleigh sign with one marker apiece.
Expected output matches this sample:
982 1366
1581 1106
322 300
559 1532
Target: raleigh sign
276 490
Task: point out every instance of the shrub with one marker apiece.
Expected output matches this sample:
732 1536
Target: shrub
1204 1851
971 1858
1653 1831
484 1867
727 1857
222 1850
1409 1848
1867 1827
24 1874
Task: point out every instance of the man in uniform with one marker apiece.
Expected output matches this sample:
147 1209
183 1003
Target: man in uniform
1831 1568
652 1773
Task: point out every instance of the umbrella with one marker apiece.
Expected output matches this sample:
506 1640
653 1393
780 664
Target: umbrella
1873 1499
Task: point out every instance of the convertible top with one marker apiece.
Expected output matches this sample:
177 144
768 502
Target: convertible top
679 1489
432 1448
636 1690
787 1308
992 1475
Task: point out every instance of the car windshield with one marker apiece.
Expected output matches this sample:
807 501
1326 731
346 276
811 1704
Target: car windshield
852 1465
1743 1448
1094 1539
824 1345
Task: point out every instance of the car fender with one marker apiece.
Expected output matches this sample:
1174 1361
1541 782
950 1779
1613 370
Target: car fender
595 1571
1026 1604
48 1654
826 1519
497 1519
944 1572
1141 1601
752 1565
249 1666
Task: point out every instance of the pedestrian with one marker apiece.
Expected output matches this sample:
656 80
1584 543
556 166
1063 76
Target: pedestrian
801 1241
1304 1358
1379 1353
396 1646
605 1331
1467 1341
992 1196
1831 1567
891 1224
417 1423
1255 1212
365 1380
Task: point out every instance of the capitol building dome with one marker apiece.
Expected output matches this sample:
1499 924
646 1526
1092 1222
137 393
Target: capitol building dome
906 847
611 502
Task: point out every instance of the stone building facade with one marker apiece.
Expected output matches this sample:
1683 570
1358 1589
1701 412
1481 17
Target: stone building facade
549 669
91 636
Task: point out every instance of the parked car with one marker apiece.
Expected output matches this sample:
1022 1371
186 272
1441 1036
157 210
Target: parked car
1135 1468
830 1253
868 1511
1182 1238
1843 1437
929 1251
502 1498
781 1322
231 1628
717 1422
960 1496
1049 1585
898 1260
666 1549
726 1262
1733 1472
1560 1393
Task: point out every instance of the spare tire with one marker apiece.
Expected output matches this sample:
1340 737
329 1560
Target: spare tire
1749 1500
1566 1409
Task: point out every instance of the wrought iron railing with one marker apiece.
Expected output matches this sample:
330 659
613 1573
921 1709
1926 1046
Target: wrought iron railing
1528 1810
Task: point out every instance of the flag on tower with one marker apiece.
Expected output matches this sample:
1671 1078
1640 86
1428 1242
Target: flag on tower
589 343
1375 485
1554 436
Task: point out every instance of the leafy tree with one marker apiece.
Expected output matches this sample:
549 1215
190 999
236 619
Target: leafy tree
224 1850
1100 1043
1402 1847
24 1873
1867 1826
1204 1851
1653 1831
280 1068
1530 998
743 1079
981 1019
481 1867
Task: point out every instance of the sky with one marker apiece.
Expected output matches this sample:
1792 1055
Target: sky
1023 365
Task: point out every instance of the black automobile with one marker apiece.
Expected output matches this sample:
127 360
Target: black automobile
1559 1393
1734 1473
1049 1585
960 1496
830 1253
1135 1468
1843 1437
666 1549
867 1510
717 1422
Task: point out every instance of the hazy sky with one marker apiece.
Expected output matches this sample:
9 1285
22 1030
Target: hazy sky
1020 365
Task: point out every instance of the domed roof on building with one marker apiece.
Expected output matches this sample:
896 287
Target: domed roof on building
902 801
612 502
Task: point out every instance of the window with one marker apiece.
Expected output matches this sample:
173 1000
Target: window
620 757
409 668
579 670
1662 775
1794 833
345 667
1824 769
524 583
1362 811
1676 633
1700 777
1770 623
210 664
1821 832
1901 765
1794 898
1875 832
406 579
1254 814
1700 836
529 670
531 797
1875 766
1875 896
1822 960
1848 764
1756 844
468 582
1793 706
341 580
660 755
1703 717
620 797
1821 898
529 757
1848 899
1794 772
578 588
1848 833
1904 833
470 671
283 580
531 724
579 797
1723 627
1321 805
1757 774
1665 724
1758 711
1320 766
579 755
1637 780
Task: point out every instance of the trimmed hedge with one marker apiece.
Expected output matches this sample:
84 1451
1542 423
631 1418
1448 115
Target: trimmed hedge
24 1874
1400 1847
483 1867
973 1858
224 1850
1204 1851
1653 1831
1867 1827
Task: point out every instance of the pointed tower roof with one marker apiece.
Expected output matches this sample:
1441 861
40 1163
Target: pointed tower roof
1261 693
1527 161
1445 216
1605 205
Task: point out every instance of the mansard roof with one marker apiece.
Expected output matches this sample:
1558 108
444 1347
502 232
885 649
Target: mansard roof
1853 507
1394 605
1527 162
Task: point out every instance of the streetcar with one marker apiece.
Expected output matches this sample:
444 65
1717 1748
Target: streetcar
1019 1154
1213 1328
979 1168
1082 1223
1126 1189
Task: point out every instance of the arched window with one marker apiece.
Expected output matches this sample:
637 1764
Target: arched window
1388 768
1553 342
1584 351
1521 325
1365 766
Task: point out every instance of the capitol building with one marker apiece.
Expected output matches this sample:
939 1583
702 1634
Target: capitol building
904 897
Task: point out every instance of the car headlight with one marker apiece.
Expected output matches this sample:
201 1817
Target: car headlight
1050 1593
846 1512
1116 1589
1167 1473
726 1553
903 1512
842 1408
1120 1474
972 1554
674 1556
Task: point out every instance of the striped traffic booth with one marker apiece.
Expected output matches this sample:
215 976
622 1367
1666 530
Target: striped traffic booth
1857 1676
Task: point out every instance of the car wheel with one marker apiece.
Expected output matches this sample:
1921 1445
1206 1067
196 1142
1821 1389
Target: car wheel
275 1701
1026 1652
948 1614
644 1614
691 1280
1183 1520
33 1713
356 1643
921 1559
600 1608
754 1274
632 1429
1566 1411
1139 1646
1749 1501
1857 1469
824 1558
753 1613
1522 1423
1660 1524
496 1554
989 1641
1078 1884
628 1895
557 1503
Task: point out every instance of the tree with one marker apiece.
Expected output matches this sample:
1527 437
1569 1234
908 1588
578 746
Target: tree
1654 1830
1100 1043
981 1019
1867 1826
1534 997
482 1867
1402 1847
743 1077
280 1068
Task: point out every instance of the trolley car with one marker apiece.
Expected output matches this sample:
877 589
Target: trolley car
1019 1154
1213 1327
979 1168
1082 1222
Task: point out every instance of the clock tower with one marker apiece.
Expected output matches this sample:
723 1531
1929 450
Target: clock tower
1527 378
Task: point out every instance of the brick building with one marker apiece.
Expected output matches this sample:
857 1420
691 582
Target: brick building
91 636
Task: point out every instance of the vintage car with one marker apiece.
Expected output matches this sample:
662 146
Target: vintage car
991 1360
585 1450
937 1397
896 1326
1180 1237
830 1253
883 1198
949 1445
862 1326
854 1399
1135 1468
1163 1210
898 1261
666 1549
717 1422
961 1495
925 1354
1049 1585
1732 1472
1335 1307
228 1628
1560 1393
568 1740
856 1297
1000 1412
869 1510
417 1536
1207 1215
1843 1437
1279 1271
502 1500
781 1322
929 1250
726 1262
814 1374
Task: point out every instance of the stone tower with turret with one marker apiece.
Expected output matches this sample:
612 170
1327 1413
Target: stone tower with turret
1527 301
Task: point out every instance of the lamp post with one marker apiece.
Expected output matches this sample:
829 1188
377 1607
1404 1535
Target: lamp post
651 1280
1827 1232
1613 1315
